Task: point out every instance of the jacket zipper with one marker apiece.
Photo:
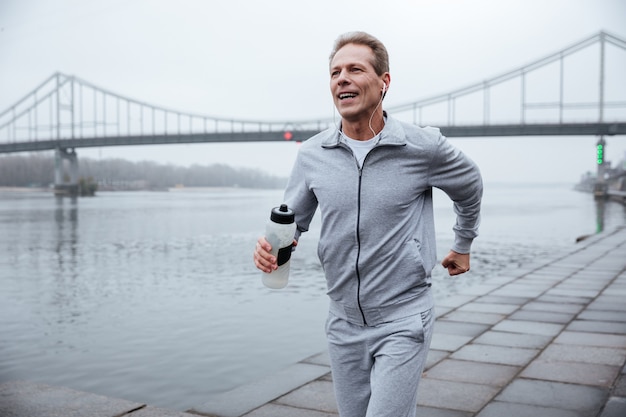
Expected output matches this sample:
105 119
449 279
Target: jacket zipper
358 236
358 243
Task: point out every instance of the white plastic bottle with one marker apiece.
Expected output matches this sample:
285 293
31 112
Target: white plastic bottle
279 232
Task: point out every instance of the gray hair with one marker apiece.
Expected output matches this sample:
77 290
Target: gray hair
381 57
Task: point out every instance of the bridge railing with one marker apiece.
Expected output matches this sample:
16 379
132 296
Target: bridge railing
532 99
67 107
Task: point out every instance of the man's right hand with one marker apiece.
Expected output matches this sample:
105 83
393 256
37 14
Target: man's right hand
263 259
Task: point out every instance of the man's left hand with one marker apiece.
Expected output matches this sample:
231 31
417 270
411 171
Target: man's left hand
457 263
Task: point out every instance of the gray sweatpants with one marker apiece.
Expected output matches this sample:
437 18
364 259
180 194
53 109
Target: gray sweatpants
376 369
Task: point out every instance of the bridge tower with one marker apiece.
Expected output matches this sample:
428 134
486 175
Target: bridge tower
65 184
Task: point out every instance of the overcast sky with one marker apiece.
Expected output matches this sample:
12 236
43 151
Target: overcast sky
268 60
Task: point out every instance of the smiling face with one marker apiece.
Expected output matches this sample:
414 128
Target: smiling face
354 84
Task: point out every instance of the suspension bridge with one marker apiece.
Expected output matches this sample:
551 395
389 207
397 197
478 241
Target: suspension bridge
579 90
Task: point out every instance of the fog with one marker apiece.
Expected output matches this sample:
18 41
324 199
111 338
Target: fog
268 61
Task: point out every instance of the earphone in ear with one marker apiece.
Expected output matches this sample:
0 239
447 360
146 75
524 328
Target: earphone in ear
384 87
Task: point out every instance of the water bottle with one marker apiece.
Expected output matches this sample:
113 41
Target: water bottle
279 232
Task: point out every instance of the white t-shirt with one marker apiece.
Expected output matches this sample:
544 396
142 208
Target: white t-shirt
360 148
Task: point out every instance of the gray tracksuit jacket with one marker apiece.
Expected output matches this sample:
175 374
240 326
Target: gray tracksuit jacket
377 241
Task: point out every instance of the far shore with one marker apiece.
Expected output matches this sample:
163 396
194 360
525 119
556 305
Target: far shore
169 189
24 189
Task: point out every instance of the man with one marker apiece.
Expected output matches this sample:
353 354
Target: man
372 179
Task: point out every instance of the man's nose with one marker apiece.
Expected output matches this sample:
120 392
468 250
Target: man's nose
343 78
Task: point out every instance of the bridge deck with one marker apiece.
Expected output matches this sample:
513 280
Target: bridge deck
567 129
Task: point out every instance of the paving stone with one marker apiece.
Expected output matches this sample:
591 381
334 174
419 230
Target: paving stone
546 275
607 306
611 260
453 301
591 339
503 409
554 307
612 327
454 395
619 389
474 372
519 290
499 299
501 279
440 412
555 271
317 395
583 279
601 275
248 397
442 311
542 316
582 282
584 354
459 328
159 412
599 315
479 289
615 290
620 281
520 340
490 308
277 410
21 399
615 407
449 342
533 288
609 299
583 293
529 327
575 373
531 282
434 357
555 395
474 317
586 278
563 300
495 354
319 359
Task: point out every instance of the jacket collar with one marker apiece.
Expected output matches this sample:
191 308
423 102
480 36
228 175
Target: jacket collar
392 134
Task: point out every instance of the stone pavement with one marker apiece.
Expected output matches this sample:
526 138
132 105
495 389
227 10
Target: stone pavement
548 340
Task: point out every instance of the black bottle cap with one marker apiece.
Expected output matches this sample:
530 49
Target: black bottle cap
282 215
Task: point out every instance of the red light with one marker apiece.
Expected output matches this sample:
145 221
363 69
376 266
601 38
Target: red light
288 135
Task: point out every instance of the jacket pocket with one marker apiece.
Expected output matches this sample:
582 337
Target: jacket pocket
416 248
